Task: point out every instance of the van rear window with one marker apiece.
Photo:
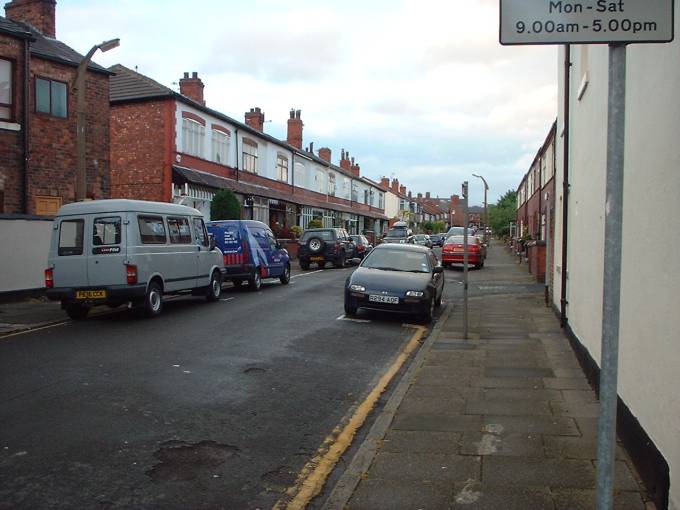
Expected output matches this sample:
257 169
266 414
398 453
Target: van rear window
106 231
71 237
151 229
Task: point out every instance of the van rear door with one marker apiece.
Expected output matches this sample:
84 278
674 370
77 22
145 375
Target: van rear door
70 259
106 252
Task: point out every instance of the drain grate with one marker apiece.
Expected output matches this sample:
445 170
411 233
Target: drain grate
183 461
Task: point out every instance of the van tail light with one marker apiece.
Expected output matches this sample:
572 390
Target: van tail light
49 278
131 272
244 252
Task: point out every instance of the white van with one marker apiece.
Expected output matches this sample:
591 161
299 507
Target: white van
129 251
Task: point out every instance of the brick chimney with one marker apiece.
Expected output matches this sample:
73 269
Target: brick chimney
354 168
427 195
385 182
420 196
325 154
344 161
295 129
38 13
402 189
192 87
255 119
395 186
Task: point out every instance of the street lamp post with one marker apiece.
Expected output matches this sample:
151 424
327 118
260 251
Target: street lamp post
81 103
486 210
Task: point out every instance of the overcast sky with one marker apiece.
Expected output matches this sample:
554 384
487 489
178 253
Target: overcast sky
417 89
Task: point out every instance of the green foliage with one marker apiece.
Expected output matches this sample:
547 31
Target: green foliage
315 223
438 227
225 206
427 226
296 230
502 213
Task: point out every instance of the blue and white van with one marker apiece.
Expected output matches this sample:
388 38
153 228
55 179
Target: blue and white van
251 252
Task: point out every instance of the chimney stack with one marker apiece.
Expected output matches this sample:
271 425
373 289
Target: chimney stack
295 126
38 13
402 189
344 161
255 119
427 195
385 182
192 87
325 154
395 186
420 196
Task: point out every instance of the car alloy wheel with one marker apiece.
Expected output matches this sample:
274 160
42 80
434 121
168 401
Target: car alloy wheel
153 302
215 287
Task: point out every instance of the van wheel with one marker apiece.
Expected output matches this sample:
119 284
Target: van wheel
255 280
76 311
285 277
215 288
153 301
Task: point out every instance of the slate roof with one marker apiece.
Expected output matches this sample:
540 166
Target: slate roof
46 47
128 85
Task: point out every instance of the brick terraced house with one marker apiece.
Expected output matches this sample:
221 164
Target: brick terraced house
37 114
171 147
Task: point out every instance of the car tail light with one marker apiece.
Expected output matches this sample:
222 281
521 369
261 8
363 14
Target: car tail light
49 278
225 259
131 273
473 247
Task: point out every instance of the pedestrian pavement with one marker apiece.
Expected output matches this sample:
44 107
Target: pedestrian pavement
503 420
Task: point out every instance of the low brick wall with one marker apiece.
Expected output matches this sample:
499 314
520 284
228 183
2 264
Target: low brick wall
537 260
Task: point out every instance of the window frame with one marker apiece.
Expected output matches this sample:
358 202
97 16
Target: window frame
141 217
199 226
50 81
68 251
223 141
178 238
12 81
198 132
119 236
280 174
249 159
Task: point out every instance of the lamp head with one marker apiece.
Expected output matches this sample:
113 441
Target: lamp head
109 45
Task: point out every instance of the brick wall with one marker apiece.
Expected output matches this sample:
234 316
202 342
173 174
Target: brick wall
11 142
53 158
142 143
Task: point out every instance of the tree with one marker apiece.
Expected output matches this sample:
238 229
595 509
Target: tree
502 213
225 206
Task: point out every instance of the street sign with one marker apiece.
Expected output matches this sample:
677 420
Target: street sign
586 22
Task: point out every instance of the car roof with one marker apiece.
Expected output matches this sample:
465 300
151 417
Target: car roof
123 205
402 247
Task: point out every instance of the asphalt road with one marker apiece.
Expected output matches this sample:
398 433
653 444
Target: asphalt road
208 406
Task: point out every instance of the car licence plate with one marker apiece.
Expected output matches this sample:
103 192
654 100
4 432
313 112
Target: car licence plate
393 300
458 249
315 259
90 294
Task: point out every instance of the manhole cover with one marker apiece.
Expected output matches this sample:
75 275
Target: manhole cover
182 461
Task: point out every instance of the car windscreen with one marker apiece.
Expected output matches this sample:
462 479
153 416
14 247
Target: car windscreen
324 235
397 260
397 232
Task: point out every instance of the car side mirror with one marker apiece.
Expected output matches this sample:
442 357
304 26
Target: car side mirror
438 269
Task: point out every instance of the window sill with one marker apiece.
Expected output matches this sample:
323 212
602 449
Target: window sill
10 126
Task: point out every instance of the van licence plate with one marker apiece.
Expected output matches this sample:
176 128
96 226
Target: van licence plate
316 259
90 294
393 300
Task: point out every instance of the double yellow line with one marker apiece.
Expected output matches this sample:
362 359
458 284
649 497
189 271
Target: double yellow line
314 474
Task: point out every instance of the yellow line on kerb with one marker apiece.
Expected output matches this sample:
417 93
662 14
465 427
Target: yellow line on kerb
313 476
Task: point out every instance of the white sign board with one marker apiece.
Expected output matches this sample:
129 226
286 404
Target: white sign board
586 22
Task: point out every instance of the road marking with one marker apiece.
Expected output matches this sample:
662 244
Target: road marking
313 476
31 330
228 299
305 274
343 317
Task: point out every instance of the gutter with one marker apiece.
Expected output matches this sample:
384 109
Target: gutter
565 187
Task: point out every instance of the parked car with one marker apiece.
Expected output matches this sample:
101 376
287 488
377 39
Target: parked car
456 231
117 251
251 252
396 278
437 239
421 240
362 244
453 251
398 233
323 245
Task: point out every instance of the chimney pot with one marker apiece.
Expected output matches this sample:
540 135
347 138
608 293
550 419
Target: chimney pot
186 75
298 113
194 74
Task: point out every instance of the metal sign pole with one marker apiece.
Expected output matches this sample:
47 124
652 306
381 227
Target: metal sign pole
465 260
616 122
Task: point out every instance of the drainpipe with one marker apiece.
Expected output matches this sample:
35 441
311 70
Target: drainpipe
565 186
236 137
26 125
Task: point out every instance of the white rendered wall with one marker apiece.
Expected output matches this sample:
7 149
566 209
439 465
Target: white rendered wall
649 356
26 255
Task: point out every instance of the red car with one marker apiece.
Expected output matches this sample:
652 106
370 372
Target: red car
453 251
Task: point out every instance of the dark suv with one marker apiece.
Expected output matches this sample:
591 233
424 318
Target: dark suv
323 245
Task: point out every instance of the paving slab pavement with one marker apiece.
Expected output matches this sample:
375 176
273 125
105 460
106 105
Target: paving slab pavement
503 420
